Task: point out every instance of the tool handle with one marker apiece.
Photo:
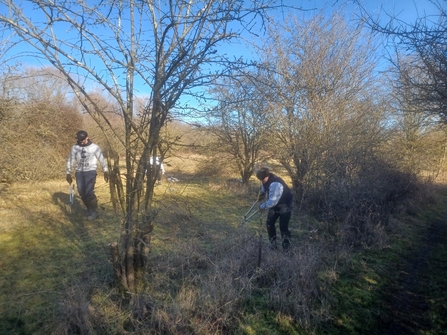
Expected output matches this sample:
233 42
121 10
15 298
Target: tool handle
71 193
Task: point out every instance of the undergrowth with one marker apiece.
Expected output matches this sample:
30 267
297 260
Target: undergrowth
397 289
208 274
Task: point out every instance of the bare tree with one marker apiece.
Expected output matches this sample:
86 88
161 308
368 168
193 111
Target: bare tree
239 122
418 139
325 110
419 45
167 47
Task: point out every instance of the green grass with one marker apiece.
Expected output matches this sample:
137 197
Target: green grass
436 292
367 286
48 250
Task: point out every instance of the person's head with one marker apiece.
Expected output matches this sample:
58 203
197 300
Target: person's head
263 174
82 137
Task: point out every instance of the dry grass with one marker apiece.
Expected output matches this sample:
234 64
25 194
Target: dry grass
203 277
203 266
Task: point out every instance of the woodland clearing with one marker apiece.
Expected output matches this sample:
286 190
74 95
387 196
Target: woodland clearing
57 277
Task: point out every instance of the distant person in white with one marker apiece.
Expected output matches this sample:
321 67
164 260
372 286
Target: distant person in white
159 168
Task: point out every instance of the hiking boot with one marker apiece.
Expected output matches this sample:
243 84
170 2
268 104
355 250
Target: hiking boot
273 245
92 216
286 244
285 236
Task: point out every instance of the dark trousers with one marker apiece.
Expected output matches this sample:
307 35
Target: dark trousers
86 188
284 213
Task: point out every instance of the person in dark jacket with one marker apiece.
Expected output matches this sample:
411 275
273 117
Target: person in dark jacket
85 156
279 203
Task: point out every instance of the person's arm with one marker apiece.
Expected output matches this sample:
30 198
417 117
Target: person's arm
100 157
102 161
275 192
70 161
69 167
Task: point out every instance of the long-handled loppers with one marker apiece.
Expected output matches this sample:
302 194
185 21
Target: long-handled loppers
71 195
250 213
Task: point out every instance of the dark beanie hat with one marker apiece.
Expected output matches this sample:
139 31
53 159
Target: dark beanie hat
262 173
81 135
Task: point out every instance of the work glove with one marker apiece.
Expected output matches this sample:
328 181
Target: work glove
68 179
106 177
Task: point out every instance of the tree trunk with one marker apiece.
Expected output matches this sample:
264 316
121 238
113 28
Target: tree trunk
117 272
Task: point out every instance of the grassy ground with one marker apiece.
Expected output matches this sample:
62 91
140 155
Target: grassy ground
48 250
400 289
56 265
56 276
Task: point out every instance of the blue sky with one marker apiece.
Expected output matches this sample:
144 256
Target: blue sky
405 10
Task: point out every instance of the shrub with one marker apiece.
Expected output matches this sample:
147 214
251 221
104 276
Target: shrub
358 202
36 140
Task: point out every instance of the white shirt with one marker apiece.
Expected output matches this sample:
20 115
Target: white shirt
275 192
157 162
86 158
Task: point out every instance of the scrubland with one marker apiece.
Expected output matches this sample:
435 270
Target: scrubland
211 275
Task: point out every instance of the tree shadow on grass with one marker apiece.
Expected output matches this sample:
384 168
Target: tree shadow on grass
414 301
50 251
92 235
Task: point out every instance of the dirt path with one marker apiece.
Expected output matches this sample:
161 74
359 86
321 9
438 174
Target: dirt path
409 301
